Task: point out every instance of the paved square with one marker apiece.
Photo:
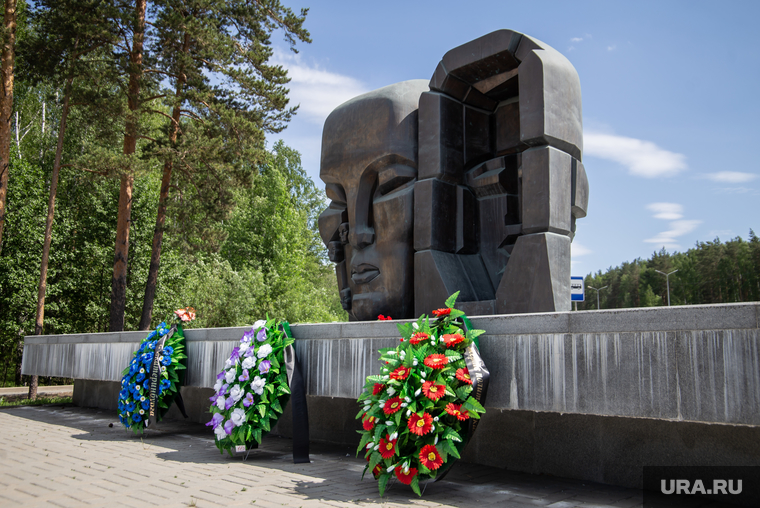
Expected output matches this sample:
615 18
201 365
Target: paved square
69 457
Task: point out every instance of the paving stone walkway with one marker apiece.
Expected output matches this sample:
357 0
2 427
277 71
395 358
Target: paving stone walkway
71 457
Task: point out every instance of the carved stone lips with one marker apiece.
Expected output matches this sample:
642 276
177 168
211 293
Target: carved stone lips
364 273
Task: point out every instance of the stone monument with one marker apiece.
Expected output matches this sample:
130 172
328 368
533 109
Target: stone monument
471 181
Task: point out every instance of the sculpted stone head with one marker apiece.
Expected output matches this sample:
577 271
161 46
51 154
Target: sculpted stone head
471 182
369 165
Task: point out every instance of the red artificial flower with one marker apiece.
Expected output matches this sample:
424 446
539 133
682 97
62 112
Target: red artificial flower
400 373
392 405
433 391
464 375
418 337
379 387
430 458
187 314
383 318
456 410
406 478
377 470
451 339
387 447
441 312
420 425
436 361
368 423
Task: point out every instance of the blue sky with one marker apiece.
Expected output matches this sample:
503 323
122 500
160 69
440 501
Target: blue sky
671 102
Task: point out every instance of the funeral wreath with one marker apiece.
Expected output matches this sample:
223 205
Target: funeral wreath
416 412
155 374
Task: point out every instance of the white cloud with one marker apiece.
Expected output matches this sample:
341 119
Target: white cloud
579 250
612 48
576 39
668 239
642 158
317 90
731 177
666 211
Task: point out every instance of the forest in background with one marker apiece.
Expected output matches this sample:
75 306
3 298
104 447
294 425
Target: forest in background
710 272
238 238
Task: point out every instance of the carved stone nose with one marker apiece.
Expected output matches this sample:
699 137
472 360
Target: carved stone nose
361 237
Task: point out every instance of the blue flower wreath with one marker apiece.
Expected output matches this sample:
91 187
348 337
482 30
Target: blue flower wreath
135 394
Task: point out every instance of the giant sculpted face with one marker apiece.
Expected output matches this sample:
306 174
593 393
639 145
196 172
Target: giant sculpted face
369 166
471 181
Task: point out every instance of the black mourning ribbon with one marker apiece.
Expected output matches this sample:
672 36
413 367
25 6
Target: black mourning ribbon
479 376
155 378
299 410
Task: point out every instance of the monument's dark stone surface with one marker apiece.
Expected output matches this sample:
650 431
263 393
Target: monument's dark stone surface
470 182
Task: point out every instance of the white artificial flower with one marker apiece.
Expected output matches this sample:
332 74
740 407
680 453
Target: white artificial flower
142 399
230 375
163 368
219 432
408 413
249 363
386 377
370 445
417 393
244 346
436 439
394 436
142 412
237 393
257 385
389 423
432 428
228 363
142 371
377 447
423 374
259 324
382 403
407 399
264 351
435 419
391 391
218 385
391 353
220 402
238 417
404 404
390 469
415 326
415 362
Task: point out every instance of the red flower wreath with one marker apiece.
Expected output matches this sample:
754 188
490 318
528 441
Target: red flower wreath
420 425
406 478
451 339
456 410
392 405
433 391
430 458
436 361
441 312
464 375
387 447
400 373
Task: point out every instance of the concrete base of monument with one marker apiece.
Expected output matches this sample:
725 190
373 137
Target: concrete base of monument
591 395
604 449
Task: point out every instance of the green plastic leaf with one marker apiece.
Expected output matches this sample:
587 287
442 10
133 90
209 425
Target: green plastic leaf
382 482
463 392
450 301
262 409
452 434
415 485
374 460
473 405
366 437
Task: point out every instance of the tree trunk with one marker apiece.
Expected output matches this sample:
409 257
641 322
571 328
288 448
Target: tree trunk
40 321
158 232
119 280
6 106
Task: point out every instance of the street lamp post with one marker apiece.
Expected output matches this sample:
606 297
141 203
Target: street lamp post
597 295
667 281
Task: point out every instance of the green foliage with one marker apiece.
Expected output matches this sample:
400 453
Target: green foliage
710 272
